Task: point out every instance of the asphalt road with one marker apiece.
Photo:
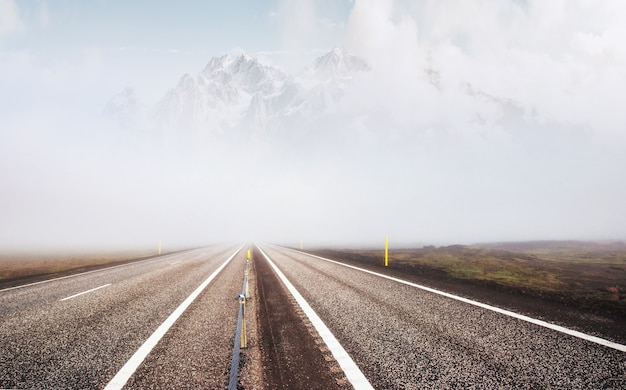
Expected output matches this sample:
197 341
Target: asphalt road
402 337
78 332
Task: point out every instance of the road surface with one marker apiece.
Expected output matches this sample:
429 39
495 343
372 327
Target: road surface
402 337
315 324
78 332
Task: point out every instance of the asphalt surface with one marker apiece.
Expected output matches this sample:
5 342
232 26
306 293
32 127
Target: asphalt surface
292 354
79 331
405 338
48 341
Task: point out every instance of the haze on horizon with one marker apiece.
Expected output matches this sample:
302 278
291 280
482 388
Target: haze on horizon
478 121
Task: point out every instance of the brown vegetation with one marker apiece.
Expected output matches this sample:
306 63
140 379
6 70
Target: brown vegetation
17 269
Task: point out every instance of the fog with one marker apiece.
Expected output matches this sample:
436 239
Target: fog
495 121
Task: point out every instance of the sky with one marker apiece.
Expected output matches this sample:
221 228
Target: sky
479 121
108 45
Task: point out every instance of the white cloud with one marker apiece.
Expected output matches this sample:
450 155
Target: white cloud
44 14
300 22
561 61
308 26
480 120
10 21
504 112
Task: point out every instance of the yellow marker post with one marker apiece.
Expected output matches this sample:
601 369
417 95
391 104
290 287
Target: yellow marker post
300 244
386 251
159 246
243 342
249 254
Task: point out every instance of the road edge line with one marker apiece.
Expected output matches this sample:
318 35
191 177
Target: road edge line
122 376
349 367
558 328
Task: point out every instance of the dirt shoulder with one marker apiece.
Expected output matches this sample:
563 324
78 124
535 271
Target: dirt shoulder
22 269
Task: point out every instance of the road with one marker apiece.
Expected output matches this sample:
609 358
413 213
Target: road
320 325
402 337
78 332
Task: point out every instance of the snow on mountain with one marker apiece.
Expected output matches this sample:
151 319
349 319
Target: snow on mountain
238 96
337 65
123 108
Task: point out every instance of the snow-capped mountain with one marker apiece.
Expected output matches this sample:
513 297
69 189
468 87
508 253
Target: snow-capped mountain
237 95
336 65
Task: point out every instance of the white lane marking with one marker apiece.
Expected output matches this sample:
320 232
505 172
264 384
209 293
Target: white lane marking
176 262
122 376
83 273
352 371
558 328
84 292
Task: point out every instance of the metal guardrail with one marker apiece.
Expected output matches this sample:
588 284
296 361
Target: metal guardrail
240 333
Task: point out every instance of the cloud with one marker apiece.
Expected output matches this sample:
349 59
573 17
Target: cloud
495 120
44 14
300 23
559 61
10 21
500 115
309 26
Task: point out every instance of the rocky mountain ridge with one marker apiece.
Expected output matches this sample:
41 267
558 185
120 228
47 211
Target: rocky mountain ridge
236 95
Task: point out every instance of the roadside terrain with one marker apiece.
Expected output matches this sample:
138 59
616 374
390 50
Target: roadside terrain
404 337
21 268
567 282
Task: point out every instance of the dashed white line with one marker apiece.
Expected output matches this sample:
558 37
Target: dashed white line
558 328
120 379
349 367
84 292
176 262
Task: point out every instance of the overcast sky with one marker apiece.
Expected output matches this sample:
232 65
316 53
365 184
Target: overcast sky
504 120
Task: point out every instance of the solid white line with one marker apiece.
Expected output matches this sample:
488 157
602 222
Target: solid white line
558 328
176 262
120 379
352 371
84 292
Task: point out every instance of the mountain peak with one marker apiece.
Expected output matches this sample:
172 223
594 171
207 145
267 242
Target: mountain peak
238 92
338 64
226 62
123 107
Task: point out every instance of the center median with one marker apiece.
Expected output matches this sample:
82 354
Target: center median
293 354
